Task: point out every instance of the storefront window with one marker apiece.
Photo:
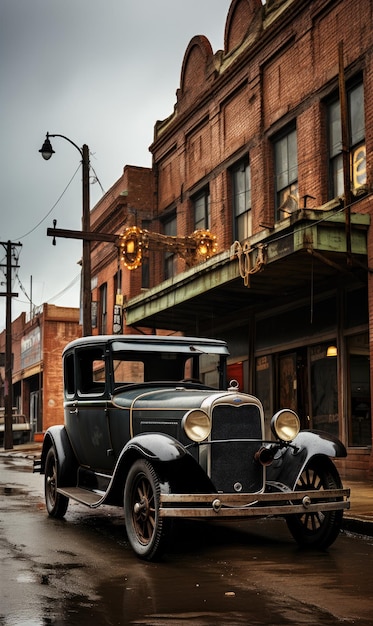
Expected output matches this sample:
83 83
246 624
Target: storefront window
264 389
324 390
360 425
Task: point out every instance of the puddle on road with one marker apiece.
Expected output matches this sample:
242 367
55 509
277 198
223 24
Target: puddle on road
11 491
159 600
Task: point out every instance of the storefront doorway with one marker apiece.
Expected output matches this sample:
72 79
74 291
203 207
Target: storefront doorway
292 384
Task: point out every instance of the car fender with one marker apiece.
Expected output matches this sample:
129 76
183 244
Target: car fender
170 458
155 447
67 465
290 461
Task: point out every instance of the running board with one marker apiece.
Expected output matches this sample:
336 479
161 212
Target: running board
92 499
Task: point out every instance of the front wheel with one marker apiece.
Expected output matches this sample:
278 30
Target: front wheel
321 528
147 532
55 502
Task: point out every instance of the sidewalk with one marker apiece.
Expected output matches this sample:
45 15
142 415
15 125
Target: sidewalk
357 519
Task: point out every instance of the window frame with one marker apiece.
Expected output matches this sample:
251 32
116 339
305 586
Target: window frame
242 219
357 141
169 227
286 193
103 317
203 222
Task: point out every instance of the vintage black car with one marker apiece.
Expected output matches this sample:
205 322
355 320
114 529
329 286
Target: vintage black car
152 426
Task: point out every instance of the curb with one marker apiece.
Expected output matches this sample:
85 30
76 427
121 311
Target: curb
357 526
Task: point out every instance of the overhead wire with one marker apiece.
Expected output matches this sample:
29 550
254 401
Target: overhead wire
52 208
75 279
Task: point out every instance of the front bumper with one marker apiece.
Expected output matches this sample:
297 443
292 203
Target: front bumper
218 505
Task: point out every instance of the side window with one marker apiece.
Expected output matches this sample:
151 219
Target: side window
286 174
356 125
241 187
69 375
91 372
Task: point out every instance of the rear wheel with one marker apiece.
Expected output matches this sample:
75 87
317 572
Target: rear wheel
147 532
321 528
55 502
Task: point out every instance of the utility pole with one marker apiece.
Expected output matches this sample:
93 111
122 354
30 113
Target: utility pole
8 388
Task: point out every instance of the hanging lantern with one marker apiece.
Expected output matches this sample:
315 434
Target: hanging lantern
131 245
206 245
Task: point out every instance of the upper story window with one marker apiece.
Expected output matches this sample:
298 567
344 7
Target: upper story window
103 310
201 204
356 124
241 187
286 173
117 279
169 228
145 271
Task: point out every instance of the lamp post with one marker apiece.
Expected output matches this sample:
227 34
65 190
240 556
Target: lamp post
46 152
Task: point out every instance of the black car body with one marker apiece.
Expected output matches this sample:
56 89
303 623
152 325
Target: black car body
151 425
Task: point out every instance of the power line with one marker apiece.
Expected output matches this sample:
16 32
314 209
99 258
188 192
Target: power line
53 207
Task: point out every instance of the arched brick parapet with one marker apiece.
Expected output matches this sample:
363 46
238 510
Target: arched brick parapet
242 19
195 70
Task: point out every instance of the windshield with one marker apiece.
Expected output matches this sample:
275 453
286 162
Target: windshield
143 367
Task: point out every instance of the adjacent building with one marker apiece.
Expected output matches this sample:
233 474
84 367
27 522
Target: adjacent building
37 345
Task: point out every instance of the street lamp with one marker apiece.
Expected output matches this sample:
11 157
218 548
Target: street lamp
46 152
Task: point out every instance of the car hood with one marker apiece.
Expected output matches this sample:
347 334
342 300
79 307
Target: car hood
172 396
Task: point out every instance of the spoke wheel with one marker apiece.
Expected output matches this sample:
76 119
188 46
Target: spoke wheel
321 528
55 502
146 531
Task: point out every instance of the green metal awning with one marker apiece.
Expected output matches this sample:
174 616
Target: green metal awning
270 266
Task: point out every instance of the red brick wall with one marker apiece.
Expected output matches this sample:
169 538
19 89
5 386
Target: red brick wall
59 325
129 201
283 74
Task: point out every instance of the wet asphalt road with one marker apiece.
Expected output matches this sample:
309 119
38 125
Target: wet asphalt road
81 571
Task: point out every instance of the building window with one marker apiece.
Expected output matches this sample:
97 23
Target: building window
356 122
286 174
201 205
169 228
360 424
324 390
117 279
103 310
241 186
145 270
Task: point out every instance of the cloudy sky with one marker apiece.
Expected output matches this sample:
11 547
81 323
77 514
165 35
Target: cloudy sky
100 72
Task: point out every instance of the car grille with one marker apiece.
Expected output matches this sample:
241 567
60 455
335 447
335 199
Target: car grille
232 462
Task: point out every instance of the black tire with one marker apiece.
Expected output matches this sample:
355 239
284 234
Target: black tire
316 529
55 502
147 532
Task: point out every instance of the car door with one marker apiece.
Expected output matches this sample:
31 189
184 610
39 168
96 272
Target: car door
86 414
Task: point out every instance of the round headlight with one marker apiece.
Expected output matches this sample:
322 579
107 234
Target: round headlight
285 425
196 424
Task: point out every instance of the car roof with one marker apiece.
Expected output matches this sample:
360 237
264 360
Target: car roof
152 343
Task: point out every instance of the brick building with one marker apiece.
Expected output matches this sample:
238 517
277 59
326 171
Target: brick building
129 202
269 146
37 346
